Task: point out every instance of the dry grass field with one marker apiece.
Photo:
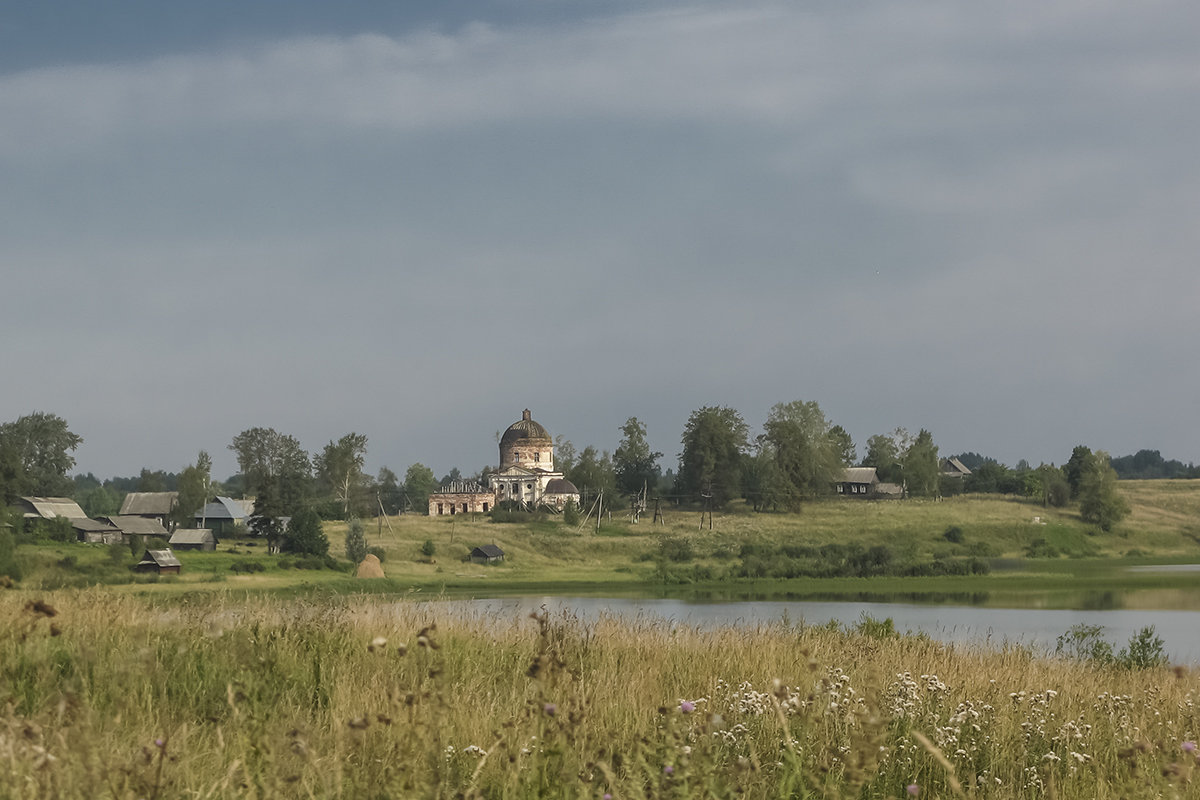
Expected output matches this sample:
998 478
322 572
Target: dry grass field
109 695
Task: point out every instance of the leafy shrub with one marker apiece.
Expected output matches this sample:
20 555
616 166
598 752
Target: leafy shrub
1144 651
676 548
245 567
378 552
428 549
953 534
876 628
356 542
1040 548
1084 642
570 513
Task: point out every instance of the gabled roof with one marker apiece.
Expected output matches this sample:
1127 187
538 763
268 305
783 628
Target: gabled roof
150 504
92 525
488 551
51 507
142 526
163 558
192 536
226 508
516 471
860 475
954 466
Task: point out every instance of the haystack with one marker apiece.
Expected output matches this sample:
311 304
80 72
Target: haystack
370 567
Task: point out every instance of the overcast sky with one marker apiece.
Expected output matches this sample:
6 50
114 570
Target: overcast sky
413 223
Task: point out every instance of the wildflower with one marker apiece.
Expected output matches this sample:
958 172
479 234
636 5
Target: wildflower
1189 747
549 708
378 643
687 706
668 770
160 743
606 796
913 790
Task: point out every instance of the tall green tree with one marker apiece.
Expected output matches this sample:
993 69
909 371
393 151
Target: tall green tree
99 501
715 444
1099 500
763 484
921 466
564 454
305 535
195 484
269 458
1075 467
882 453
593 473
418 485
391 493
634 463
805 452
35 455
843 445
339 469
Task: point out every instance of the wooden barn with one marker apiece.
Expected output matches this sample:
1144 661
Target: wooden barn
487 554
194 539
162 562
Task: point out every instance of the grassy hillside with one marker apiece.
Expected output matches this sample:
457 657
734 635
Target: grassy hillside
1013 533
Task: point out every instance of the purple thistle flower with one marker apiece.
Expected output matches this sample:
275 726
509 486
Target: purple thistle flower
606 796
549 708
159 743
668 770
687 706
1189 747
913 790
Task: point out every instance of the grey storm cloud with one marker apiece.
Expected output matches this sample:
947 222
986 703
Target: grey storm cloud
977 219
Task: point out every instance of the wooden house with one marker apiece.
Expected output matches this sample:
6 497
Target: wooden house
224 514
194 539
487 554
96 531
858 482
150 505
162 562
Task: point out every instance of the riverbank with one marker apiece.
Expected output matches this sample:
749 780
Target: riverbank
114 695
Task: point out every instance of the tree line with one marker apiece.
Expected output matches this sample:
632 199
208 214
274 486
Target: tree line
798 455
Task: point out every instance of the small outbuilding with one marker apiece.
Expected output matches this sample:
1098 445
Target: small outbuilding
95 531
194 539
162 562
224 514
487 554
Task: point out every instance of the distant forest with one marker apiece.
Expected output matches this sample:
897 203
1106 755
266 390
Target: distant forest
1144 465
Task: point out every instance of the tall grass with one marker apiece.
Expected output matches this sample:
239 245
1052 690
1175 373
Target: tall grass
113 696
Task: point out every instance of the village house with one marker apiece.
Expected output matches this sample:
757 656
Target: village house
150 505
224 514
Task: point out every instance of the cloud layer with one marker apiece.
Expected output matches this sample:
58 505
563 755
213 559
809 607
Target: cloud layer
973 219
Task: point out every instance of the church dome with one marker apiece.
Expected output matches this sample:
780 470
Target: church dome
560 486
525 431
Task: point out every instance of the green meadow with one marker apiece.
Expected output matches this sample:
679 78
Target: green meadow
1027 547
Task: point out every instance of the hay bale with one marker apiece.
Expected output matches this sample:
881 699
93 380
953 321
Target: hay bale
369 568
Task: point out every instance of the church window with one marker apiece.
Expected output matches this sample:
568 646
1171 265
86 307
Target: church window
537 456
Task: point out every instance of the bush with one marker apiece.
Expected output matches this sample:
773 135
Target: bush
953 534
428 549
570 514
676 548
1144 651
378 552
356 542
245 567
1083 642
